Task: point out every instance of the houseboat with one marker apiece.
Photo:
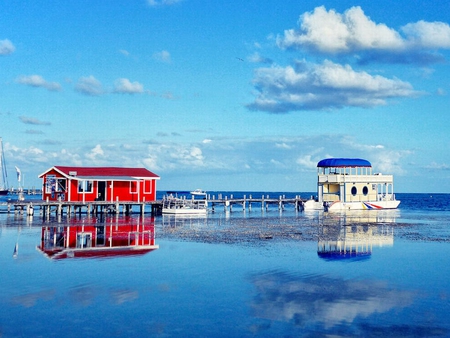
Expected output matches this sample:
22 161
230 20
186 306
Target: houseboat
350 184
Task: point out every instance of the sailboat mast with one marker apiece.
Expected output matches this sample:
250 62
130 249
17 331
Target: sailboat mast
4 182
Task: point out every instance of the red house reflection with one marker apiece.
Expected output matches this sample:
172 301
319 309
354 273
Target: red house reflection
114 237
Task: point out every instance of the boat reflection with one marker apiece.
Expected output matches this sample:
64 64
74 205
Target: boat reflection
92 238
174 222
353 235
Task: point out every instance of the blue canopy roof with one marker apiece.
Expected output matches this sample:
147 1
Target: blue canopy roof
343 162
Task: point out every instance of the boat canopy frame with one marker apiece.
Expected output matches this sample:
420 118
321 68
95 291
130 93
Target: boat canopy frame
344 166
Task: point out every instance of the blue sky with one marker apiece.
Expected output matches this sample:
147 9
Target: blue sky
227 95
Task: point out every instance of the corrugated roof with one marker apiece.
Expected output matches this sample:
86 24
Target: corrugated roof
115 172
343 162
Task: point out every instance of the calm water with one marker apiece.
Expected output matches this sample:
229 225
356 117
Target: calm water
231 274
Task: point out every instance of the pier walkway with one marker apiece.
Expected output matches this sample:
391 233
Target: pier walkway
34 206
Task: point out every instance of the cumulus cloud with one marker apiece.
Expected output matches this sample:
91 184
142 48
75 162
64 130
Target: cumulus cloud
172 156
89 86
125 86
322 86
433 35
95 153
6 47
329 32
307 162
38 81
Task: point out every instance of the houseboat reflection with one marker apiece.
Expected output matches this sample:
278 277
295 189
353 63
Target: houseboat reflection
354 235
112 237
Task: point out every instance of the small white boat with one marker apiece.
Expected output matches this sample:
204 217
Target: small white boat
198 192
349 184
183 206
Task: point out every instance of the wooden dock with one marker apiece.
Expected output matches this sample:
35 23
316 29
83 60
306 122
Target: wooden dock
34 206
247 202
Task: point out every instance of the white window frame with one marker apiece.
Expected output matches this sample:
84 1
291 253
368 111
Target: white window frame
83 186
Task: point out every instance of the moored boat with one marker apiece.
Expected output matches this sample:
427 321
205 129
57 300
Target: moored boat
350 184
198 192
183 206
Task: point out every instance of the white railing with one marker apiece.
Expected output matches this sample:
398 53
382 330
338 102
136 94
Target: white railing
356 178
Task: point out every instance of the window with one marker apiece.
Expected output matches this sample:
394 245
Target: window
133 187
365 191
50 185
84 186
84 240
61 186
147 186
354 191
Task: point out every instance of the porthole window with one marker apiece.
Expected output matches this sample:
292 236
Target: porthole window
354 191
365 191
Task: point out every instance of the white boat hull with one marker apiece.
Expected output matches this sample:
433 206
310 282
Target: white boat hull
313 205
339 206
184 211
378 205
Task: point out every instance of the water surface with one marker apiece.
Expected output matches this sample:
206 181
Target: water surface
245 274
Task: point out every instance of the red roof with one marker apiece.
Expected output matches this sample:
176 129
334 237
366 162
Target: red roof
104 171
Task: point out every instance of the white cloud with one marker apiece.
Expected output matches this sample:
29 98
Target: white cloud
283 145
155 3
322 86
125 86
424 34
306 162
330 32
124 52
6 47
33 121
437 166
89 86
38 81
257 58
163 56
227 162
173 156
95 153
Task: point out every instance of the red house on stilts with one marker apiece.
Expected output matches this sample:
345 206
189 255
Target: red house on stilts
88 184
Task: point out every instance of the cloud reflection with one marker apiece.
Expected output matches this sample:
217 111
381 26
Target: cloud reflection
321 300
30 299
